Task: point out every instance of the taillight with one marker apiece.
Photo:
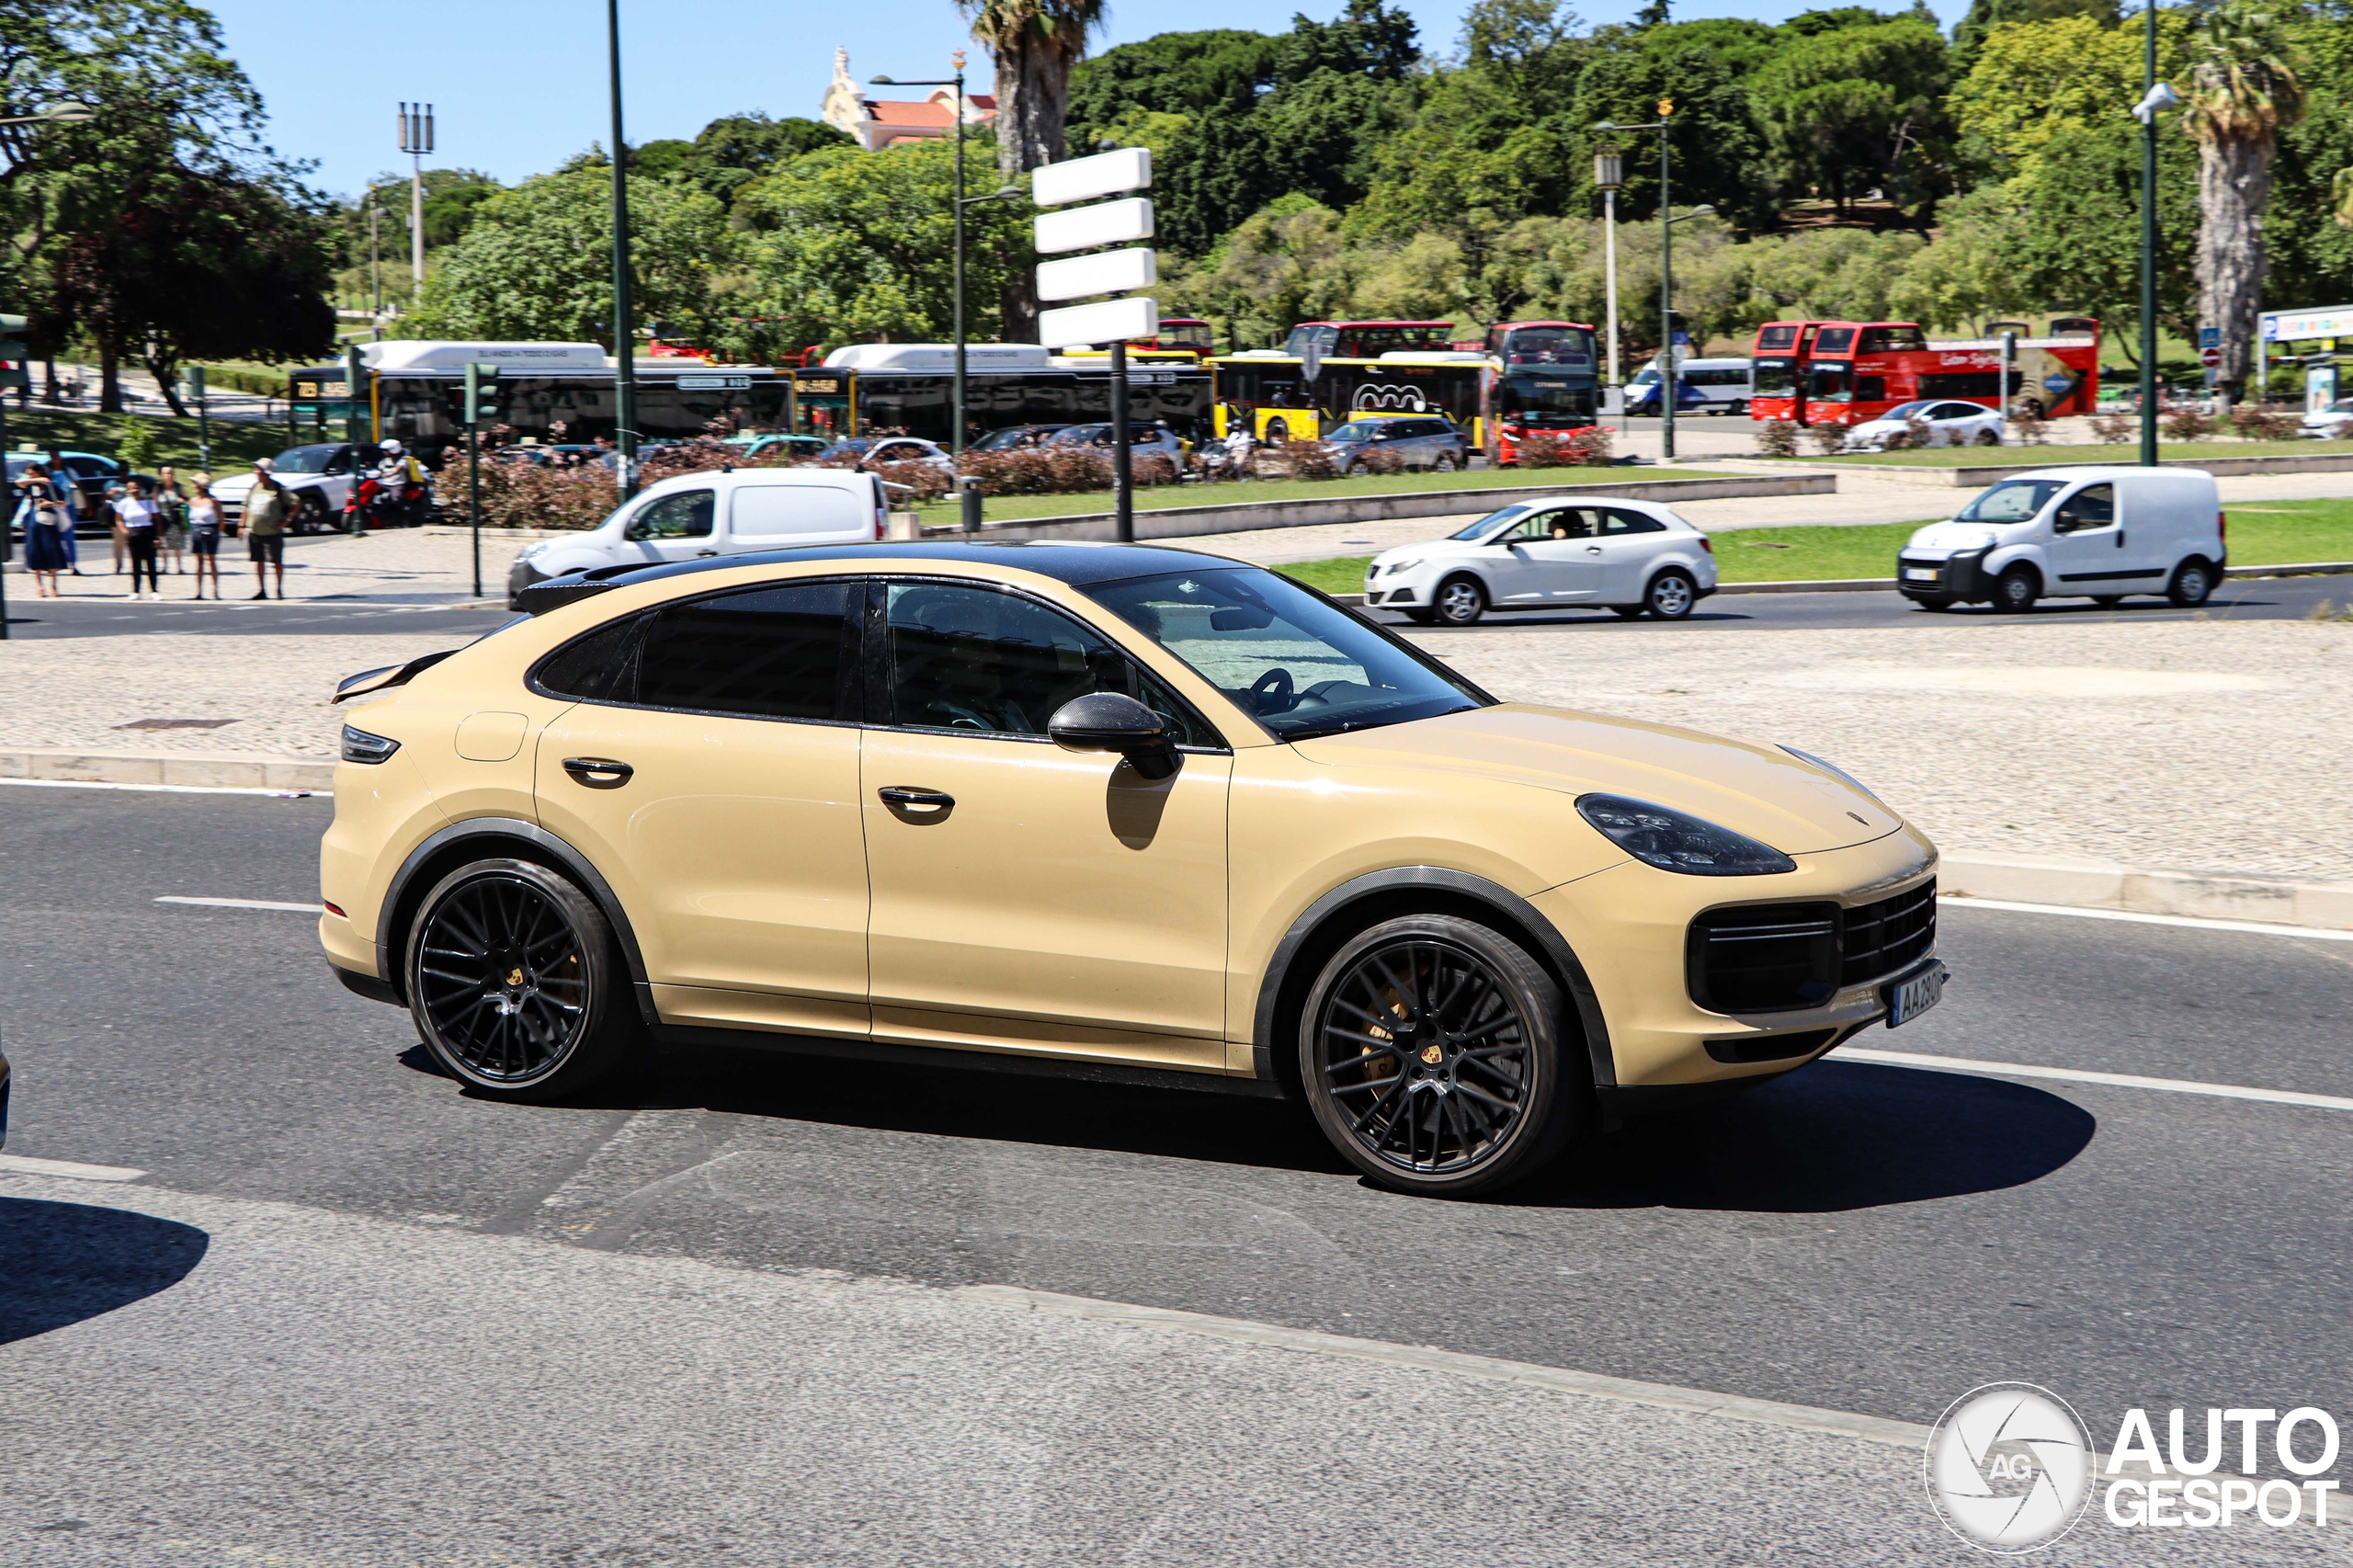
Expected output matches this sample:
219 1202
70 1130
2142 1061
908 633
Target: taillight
1706 544
2222 527
333 909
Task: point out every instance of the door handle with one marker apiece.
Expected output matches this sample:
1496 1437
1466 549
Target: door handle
2120 539
914 803
702 553
598 772
1593 549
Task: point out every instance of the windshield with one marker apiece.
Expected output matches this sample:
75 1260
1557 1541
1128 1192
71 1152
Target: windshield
1490 523
305 460
2012 501
1545 401
2342 405
1299 664
1549 345
1644 377
1774 378
1017 436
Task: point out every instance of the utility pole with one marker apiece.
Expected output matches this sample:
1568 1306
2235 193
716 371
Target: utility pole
1665 294
195 380
624 315
1609 173
482 387
416 140
2157 96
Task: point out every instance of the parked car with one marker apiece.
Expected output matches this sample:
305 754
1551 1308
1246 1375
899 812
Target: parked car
91 474
2100 533
1418 442
694 516
1949 424
873 451
1015 437
320 476
1123 813
1145 437
772 445
2330 424
1634 557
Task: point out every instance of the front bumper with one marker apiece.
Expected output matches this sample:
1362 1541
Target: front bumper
1961 576
520 576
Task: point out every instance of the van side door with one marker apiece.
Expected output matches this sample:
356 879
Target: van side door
2088 552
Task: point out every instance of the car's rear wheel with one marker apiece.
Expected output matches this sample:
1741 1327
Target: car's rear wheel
1431 1053
2193 580
1671 594
517 983
2015 590
1989 437
1461 601
1445 464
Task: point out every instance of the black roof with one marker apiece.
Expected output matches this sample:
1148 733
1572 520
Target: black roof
1081 566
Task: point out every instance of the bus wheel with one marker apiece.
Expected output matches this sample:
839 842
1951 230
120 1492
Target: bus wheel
1736 408
1277 432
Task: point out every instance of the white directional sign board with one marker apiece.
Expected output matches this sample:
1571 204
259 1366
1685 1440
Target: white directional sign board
1108 320
1083 228
1111 272
1084 179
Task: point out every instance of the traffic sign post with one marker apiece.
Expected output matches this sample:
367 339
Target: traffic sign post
195 382
1113 321
14 350
482 391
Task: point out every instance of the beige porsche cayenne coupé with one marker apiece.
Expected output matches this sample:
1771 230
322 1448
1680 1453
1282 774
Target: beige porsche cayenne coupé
1118 812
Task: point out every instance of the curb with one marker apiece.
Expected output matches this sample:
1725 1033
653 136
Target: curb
2108 884
199 770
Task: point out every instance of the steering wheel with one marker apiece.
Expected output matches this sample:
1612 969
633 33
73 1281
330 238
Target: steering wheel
1272 693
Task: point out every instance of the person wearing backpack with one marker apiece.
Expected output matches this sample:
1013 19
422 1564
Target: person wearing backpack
267 506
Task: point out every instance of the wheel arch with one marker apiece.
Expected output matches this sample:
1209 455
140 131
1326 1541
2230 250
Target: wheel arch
1365 901
471 840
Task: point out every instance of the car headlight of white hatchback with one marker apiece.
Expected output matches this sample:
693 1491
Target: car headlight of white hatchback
1677 841
1397 566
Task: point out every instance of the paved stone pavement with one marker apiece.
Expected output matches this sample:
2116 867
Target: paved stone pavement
397 565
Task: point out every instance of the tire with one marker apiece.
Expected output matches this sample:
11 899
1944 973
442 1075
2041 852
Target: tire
2193 582
1445 464
2015 590
1736 409
1459 601
1989 439
1671 594
517 983
310 515
1277 432
1431 1051
1626 612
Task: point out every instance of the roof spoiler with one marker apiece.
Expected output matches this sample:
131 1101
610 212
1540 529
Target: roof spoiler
574 587
384 679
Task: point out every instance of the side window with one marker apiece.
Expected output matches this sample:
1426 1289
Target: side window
2093 507
1560 522
1871 389
768 653
1618 523
976 660
766 511
686 514
599 667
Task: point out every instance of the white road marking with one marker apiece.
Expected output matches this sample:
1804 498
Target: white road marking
2073 1075
21 1164
2198 922
1660 1396
161 789
246 904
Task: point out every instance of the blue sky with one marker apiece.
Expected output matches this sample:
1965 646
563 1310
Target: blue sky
521 86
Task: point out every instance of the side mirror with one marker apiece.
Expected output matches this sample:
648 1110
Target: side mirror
2065 522
1110 721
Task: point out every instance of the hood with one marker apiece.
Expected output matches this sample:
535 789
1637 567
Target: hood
1957 536
1425 551
1759 790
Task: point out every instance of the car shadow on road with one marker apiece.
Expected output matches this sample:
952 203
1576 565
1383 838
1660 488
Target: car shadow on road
1839 1135
60 1263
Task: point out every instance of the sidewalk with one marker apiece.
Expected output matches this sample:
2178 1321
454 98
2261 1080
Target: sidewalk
428 565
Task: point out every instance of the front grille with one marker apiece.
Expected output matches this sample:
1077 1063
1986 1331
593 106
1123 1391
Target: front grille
1778 957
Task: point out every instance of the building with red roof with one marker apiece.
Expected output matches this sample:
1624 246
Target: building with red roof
891 122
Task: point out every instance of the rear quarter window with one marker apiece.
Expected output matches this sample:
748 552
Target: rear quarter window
773 511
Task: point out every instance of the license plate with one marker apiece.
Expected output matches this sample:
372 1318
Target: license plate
1920 574
1915 994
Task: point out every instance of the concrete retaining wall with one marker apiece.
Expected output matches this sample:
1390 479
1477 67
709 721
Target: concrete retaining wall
1183 522
2221 467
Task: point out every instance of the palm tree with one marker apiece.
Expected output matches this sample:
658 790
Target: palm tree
2244 91
1034 43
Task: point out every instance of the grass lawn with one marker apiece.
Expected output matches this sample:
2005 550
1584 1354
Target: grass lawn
2282 533
233 445
1018 508
2119 453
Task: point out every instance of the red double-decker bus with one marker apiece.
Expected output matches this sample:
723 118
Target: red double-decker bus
1370 339
1777 370
1543 379
1847 372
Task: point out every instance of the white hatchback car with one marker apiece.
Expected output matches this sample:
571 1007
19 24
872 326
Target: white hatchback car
2330 424
1632 556
1949 424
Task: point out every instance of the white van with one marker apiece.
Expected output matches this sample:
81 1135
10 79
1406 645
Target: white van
2091 532
1701 386
691 515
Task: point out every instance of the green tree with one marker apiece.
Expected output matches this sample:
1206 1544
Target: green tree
1705 68
536 262
737 148
1849 107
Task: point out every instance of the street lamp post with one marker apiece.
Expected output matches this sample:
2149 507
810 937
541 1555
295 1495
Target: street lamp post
624 315
1610 174
1667 222
416 140
2159 97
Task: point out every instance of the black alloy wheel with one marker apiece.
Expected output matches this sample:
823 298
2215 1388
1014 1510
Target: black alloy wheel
515 984
1461 601
2016 591
1430 1048
2193 580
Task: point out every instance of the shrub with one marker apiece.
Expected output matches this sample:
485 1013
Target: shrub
1578 449
1915 430
1039 470
1778 439
2113 427
922 481
1591 444
517 493
2030 427
1378 461
1829 439
2255 424
1301 460
2187 423
137 450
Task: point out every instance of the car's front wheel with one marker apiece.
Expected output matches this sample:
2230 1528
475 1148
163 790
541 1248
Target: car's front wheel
1670 596
1431 1051
1461 601
2015 590
517 983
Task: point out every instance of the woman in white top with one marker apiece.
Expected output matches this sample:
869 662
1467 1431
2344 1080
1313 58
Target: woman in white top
204 533
141 520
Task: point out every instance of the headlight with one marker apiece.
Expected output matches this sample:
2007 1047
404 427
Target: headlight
1835 771
537 547
1397 566
1674 841
358 745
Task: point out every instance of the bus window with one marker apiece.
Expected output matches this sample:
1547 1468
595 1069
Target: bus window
1828 384
1542 403
1185 335
1891 339
1833 340
1776 337
1774 378
1545 346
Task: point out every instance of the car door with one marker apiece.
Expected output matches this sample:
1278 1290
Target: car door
709 772
2087 546
679 525
1547 558
1628 542
1028 898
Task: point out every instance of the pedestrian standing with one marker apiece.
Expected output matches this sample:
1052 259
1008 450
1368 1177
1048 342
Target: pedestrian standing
114 526
47 527
204 533
138 522
171 503
69 496
266 507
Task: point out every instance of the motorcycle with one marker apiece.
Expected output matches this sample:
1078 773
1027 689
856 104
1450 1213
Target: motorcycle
374 505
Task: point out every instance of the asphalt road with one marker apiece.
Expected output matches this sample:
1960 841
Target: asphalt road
2239 598
243 616
1858 1237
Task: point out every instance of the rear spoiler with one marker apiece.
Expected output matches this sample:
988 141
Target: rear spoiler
384 679
574 587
